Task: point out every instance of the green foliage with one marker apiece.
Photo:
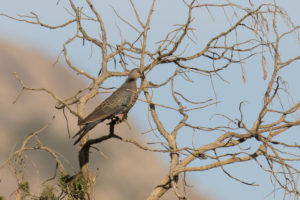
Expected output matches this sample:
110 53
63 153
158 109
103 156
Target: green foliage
48 193
2 198
75 186
24 189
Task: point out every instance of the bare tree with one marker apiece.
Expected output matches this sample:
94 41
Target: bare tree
254 31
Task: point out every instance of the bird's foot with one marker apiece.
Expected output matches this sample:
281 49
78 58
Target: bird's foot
116 119
119 118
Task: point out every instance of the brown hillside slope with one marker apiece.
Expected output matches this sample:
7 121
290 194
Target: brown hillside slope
125 172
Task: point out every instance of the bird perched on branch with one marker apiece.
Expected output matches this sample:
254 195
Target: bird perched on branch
116 105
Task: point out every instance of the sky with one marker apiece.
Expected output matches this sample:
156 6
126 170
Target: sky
166 14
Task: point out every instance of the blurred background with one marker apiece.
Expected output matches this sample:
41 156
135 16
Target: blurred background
30 51
124 171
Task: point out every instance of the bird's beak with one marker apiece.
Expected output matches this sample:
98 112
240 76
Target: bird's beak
141 74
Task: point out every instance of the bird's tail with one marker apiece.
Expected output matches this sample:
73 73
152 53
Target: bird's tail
84 130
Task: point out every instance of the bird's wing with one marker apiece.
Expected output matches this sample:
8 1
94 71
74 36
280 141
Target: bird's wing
113 105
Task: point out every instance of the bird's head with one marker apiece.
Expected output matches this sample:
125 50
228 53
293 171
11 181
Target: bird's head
135 74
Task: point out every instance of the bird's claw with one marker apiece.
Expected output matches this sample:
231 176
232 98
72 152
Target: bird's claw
115 120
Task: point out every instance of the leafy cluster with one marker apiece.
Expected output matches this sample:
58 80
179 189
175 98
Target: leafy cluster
74 186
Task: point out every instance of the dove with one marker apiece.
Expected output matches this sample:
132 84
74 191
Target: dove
115 105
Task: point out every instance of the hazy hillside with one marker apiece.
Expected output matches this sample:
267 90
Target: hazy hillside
125 172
